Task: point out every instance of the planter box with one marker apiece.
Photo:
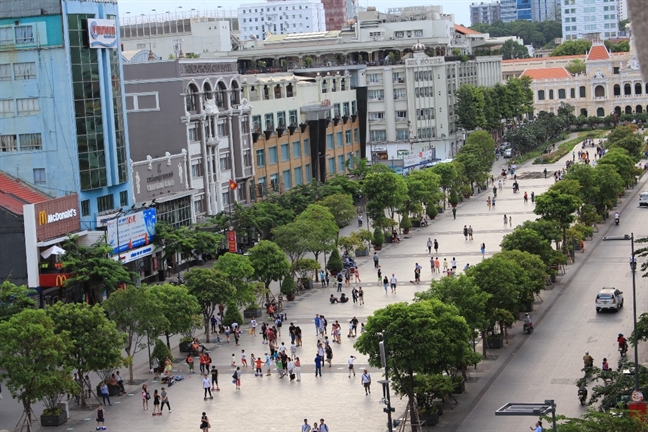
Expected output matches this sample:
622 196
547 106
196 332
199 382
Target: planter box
495 343
459 387
252 313
439 406
416 224
184 347
430 419
290 297
389 239
377 248
362 252
53 420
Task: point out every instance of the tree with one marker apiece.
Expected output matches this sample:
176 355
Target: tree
535 269
544 228
425 336
572 47
95 344
447 173
384 190
528 240
513 50
321 229
211 288
470 107
615 420
137 313
621 46
92 268
269 262
341 207
423 186
537 34
239 271
615 387
32 359
14 299
335 264
610 185
576 66
292 239
625 137
559 208
623 164
178 307
477 156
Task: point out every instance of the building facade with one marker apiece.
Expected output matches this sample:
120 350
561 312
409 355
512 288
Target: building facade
611 83
530 10
194 105
304 127
257 21
63 127
596 19
335 13
486 13
543 10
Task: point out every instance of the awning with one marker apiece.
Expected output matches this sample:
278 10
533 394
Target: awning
54 250
57 240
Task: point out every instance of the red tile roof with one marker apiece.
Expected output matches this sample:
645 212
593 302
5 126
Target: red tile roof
14 194
465 30
541 59
547 73
598 52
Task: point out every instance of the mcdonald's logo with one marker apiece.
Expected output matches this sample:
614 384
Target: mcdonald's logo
42 217
60 280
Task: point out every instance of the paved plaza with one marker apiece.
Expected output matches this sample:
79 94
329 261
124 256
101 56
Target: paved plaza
274 404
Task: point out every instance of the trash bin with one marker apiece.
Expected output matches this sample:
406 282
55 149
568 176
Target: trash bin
161 275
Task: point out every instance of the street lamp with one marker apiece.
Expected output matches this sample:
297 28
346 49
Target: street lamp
633 269
385 383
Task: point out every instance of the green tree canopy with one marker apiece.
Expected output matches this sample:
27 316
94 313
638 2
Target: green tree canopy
623 164
269 262
625 137
513 50
238 270
95 343
537 34
423 186
180 309
576 66
14 299
470 107
477 156
528 240
592 421
384 190
137 313
211 288
559 208
571 47
341 207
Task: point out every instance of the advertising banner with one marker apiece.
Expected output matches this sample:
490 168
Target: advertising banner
102 33
231 241
57 217
131 231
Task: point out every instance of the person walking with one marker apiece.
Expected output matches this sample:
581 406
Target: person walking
526 197
253 327
488 203
204 422
357 275
375 259
429 245
436 265
465 229
297 369
268 363
366 382
145 397
436 247
214 378
244 358
156 403
385 283
317 324
237 379
213 324
190 362
454 213
164 398
101 420
306 427
417 273
445 265
505 221
104 393
360 296
323 427
393 282
510 221
318 365
206 388
350 364
483 249
470 232
339 282
532 197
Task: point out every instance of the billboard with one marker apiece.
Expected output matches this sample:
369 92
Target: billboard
57 217
102 33
131 231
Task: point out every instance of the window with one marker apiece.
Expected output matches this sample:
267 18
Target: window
193 135
336 110
338 138
354 107
424 133
274 182
286 178
331 165
123 198
292 117
8 143
269 122
272 151
31 141
309 175
541 95
329 142
572 93
551 94
401 114
24 34
402 134
296 145
285 152
376 116
378 135
281 119
582 91
28 106
5 72
24 71
345 109
376 95
299 178
224 162
196 169
347 137
561 94
373 78
399 93
39 176
256 123
341 166
142 102
198 206
355 135
6 36
85 208
105 203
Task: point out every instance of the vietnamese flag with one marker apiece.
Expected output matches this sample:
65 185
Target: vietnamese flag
232 184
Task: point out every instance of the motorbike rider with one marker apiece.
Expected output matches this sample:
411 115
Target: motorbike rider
616 217
582 393
588 360
623 342
605 366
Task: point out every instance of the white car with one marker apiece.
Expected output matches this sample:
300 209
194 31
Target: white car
609 298
643 199
507 153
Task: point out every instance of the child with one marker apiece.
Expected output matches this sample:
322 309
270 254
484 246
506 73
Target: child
379 274
100 418
190 362
243 358
233 364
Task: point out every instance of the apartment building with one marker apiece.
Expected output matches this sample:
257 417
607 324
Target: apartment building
335 13
257 21
595 19
486 13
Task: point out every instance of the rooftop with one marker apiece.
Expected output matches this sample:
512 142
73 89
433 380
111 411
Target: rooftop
14 194
543 59
598 52
465 30
547 73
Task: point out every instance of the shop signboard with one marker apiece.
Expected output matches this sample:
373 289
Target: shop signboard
231 241
102 33
130 231
57 217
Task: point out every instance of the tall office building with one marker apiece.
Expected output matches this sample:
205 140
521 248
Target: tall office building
486 13
508 10
529 10
259 20
335 13
543 10
62 122
594 18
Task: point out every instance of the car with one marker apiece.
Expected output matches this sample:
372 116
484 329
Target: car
609 298
507 153
643 199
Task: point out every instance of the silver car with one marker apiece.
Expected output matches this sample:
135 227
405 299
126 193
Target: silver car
609 298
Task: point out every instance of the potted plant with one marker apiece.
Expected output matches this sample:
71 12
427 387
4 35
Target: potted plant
53 414
334 265
406 224
349 243
378 239
431 211
185 343
305 269
466 191
232 314
252 310
459 384
160 352
288 288
495 341
365 238
453 199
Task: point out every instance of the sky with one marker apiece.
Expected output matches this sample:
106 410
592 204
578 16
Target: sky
460 8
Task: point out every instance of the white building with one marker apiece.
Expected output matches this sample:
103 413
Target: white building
486 13
259 20
590 17
622 5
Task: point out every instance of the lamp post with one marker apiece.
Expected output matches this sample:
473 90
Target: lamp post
385 383
633 269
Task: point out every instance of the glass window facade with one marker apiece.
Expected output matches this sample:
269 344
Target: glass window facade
176 212
118 113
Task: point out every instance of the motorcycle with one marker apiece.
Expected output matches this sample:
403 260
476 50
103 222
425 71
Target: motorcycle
623 349
616 221
582 395
359 222
528 327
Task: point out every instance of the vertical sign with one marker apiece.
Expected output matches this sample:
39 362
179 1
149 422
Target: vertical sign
231 241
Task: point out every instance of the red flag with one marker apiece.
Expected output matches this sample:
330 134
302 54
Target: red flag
232 184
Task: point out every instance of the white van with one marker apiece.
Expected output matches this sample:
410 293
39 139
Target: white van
643 199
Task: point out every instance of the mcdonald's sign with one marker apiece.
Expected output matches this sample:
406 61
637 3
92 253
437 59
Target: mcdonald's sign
57 217
42 217
60 280
46 280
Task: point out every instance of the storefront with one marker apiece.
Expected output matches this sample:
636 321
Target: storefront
47 225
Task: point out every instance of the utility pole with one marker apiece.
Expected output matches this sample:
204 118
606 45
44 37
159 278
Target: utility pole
385 383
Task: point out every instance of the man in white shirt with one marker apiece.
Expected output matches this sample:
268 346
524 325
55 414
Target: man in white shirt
350 363
253 323
392 282
366 382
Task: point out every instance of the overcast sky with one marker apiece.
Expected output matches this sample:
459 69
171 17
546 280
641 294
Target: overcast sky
460 8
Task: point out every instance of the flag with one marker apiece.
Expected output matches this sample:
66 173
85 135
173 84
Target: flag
232 184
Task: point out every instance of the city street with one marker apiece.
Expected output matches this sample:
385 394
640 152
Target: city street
542 366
